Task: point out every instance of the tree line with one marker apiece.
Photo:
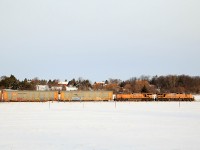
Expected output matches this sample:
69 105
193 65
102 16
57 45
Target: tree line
145 84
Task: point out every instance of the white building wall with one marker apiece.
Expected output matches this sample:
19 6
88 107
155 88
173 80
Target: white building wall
56 88
71 88
42 87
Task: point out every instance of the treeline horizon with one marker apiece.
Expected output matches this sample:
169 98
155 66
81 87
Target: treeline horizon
145 84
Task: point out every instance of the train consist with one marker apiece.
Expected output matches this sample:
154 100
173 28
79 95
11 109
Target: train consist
42 96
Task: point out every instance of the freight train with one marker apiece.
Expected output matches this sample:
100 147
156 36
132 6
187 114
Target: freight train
42 96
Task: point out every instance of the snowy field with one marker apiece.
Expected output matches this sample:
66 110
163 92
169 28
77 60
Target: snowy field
100 126
197 97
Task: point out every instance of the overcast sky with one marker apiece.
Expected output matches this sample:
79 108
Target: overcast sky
99 39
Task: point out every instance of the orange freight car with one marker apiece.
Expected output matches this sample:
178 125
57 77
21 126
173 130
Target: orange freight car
0 95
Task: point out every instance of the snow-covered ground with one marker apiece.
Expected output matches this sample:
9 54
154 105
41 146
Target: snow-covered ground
100 126
197 97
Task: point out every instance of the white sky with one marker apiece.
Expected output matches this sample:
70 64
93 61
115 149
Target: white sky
98 40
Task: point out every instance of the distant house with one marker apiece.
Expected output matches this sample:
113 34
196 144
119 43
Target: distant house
56 88
42 88
100 83
68 87
63 83
61 86
71 88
